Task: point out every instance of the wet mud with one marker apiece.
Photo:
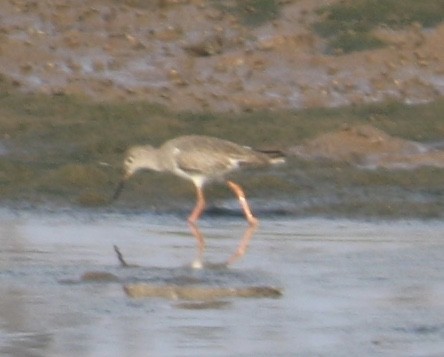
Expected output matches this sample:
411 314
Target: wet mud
134 50
368 147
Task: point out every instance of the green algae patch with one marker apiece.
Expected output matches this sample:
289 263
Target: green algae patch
348 25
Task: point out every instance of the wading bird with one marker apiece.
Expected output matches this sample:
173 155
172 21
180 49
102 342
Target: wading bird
200 159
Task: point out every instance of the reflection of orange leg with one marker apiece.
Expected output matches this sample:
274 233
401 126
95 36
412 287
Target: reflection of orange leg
200 244
243 202
243 245
200 205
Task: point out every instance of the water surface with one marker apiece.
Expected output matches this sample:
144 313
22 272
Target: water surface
349 287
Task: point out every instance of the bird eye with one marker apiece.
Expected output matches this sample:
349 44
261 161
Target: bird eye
129 160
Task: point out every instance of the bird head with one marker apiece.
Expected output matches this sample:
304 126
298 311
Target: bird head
136 158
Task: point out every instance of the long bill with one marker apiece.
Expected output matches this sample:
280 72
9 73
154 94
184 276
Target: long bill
119 189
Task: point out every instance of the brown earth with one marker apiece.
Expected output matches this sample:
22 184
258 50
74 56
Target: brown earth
190 55
369 147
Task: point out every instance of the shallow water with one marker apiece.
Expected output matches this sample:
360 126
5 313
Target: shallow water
349 287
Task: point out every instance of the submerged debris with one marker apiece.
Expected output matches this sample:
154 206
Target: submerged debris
199 292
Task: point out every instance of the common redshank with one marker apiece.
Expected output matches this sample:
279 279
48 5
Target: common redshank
201 159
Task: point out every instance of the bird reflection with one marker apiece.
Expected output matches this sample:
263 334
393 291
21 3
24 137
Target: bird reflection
236 256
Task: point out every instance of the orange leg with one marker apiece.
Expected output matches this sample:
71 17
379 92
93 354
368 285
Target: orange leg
200 205
252 220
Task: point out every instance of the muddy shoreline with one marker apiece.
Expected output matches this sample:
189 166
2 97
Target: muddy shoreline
80 85
350 242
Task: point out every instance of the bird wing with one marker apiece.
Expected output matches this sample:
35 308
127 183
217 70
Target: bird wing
210 157
204 162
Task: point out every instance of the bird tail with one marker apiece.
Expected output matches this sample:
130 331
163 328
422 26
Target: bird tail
275 156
